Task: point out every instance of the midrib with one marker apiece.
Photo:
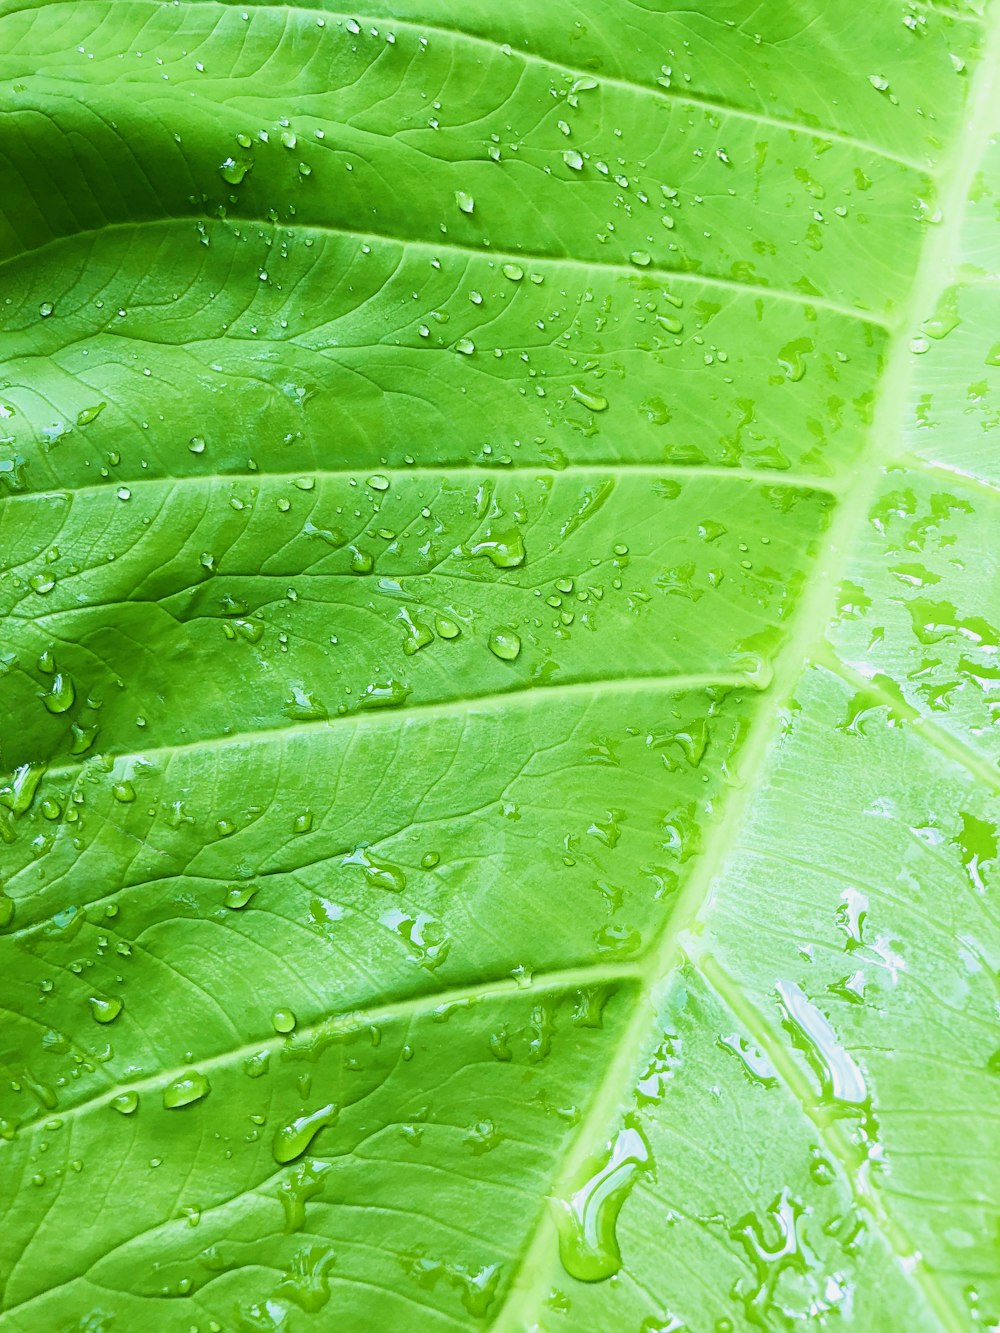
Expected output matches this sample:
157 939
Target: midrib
807 638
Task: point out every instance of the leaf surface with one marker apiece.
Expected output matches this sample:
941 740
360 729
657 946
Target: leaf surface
498 681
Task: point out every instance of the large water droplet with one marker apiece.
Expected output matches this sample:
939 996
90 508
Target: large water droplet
503 549
105 1010
841 1078
188 1087
504 643
293 1139
588 1241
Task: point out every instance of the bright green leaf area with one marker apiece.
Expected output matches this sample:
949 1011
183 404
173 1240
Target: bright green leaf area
499 609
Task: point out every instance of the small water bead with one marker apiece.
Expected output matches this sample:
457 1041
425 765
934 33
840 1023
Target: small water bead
283 1020
504 643
125 1103
641 258
513 271
189 1087
123 792
41 583
303 822
573 159
377 482
465 346
196 444
46 309
465 201
105 1010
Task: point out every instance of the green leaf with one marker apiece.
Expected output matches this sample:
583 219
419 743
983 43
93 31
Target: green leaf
498 682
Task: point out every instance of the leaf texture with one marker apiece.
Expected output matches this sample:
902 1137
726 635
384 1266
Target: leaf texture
498 682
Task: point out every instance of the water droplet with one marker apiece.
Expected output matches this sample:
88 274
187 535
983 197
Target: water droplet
384 694
466 346
197 444
588 1242
377 482
418 635
60 697
513 271
573 159
187 1088
283 1020
756 1065
300 1185
239 895
379 874
123 792
125 1103
105 1010
840 1077
234 172
504 643
593 402
446 628
641 258
89 414
293 1139
505 549
465 201
46 309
